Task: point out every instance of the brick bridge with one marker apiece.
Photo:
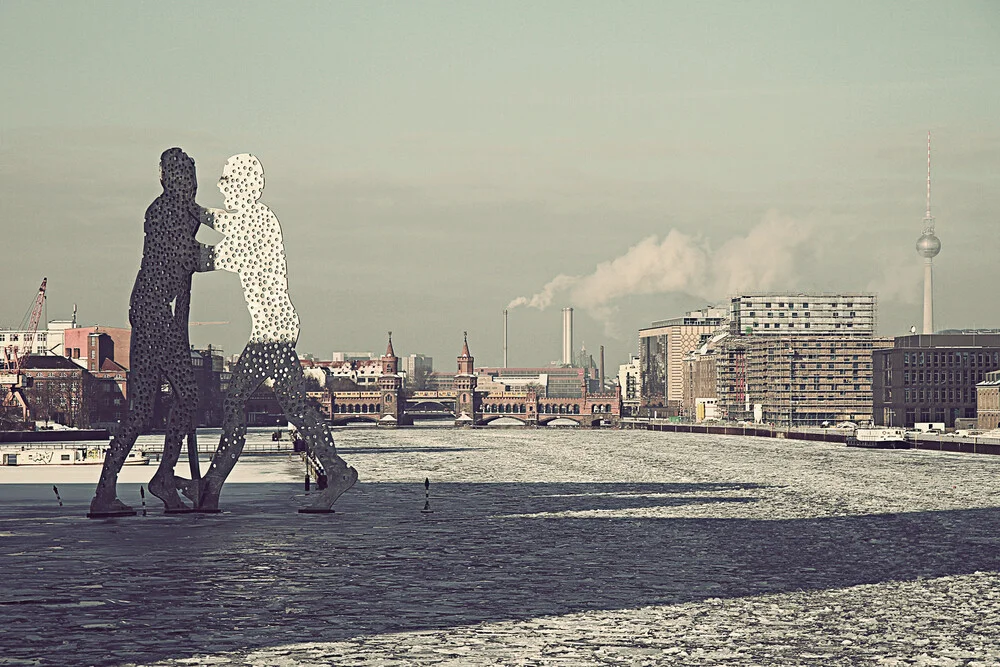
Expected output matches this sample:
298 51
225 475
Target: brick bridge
467 404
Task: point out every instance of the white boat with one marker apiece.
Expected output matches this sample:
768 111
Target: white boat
879 437
66 456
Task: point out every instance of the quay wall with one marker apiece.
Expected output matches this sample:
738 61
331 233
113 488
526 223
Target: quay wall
938 443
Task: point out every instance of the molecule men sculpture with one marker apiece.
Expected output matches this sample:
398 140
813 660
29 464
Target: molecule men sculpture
252 247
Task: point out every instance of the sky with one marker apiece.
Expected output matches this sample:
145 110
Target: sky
432 163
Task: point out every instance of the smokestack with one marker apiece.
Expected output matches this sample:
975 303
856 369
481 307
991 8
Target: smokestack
602 368
567 355
505 338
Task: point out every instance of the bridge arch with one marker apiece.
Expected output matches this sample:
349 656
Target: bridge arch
558 420
493 417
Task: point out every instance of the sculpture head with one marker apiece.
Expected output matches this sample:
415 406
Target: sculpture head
177 174
242 181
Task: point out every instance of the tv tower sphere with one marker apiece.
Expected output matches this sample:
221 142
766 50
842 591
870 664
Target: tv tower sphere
928 245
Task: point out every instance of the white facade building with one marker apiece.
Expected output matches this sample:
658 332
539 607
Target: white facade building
791 314
48 341
630 380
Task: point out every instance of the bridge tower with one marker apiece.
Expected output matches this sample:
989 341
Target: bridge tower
390 386
466 405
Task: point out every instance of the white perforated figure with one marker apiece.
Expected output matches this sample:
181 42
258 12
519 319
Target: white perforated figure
253 248
159 348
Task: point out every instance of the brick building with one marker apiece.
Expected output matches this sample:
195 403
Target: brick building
988 402
89 346
59 391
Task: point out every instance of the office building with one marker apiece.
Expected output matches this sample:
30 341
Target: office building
932 378
798 359
662 348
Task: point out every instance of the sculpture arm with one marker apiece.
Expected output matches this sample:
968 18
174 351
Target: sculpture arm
223 257
206 258
214 218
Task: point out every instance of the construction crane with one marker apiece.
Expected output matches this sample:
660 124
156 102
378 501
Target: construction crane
16 356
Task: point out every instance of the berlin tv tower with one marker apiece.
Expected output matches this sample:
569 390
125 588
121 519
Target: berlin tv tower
928 246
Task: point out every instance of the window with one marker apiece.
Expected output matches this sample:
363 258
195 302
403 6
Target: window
14 337
3 337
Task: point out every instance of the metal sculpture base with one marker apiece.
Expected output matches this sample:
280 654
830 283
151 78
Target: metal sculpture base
110 515
315 510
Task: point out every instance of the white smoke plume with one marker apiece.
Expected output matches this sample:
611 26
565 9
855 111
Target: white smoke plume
762 260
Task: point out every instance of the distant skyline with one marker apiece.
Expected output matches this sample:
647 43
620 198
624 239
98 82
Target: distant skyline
433 162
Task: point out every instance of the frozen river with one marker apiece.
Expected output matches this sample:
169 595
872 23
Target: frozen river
546 546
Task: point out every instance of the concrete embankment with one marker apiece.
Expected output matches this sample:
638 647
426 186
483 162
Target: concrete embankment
63 435
942 443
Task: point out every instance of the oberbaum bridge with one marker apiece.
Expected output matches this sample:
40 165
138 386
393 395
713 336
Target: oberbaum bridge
466 402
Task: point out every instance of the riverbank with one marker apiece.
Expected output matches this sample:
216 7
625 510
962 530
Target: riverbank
930 442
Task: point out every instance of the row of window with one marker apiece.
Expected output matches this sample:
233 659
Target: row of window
835 313
367 408
803 304
807 325
942 377
936 395
40 337
951 359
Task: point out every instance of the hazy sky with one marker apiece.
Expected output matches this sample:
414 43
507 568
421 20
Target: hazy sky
431 162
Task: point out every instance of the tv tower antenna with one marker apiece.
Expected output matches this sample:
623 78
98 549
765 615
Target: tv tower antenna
928 218
928 246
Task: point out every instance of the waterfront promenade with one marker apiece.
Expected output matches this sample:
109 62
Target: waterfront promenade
546 547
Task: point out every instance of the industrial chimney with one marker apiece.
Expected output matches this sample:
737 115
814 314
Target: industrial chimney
505 338
567 351
602 368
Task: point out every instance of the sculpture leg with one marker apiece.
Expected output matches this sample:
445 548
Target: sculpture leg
179 423
249 373
142 390
289 387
